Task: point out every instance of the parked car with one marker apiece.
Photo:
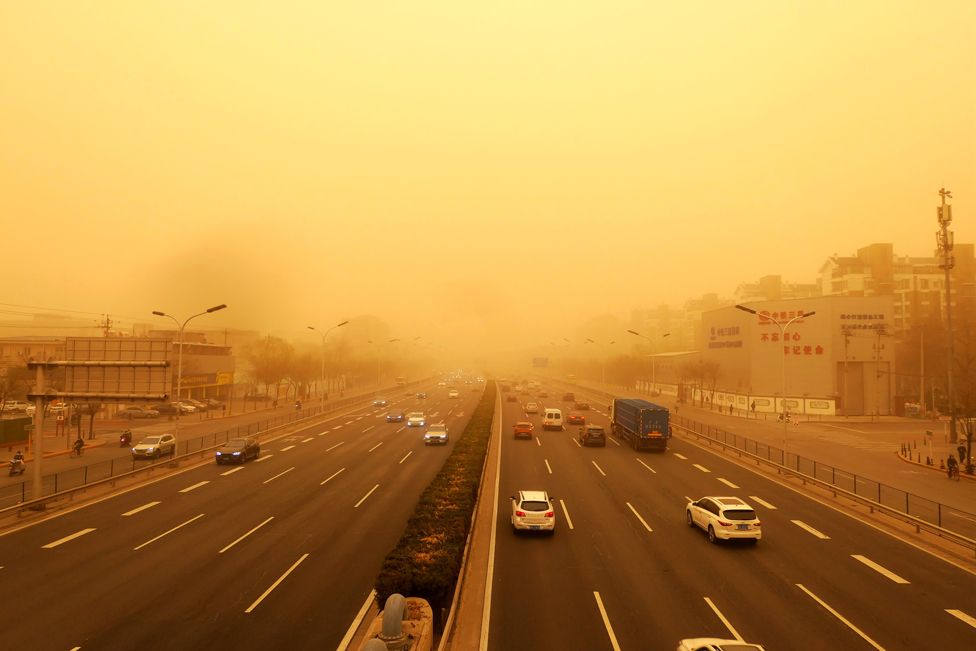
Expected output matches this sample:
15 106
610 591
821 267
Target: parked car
436 434
165 408
185 407
200 405
135 411
416 419
238 450
523 429
153 447
724 518
593 435
395 416
576 419
213 403
533 511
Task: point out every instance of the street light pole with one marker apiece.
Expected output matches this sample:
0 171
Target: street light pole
322 352
179 366
782 329
652 356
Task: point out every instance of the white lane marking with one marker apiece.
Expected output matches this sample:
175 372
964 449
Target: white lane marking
76 648
548 467
958 614
271 479
166 533
688 499
360 616
402 427
310 438
539 442
77 534
141 508
680 456
275 584
368 428
727 482
264 457
246 535
841 618
349 422
614 441
598 468
405 456
232 471
606 622
286 448
334 446
728 625
577 443
331 476
763 502
460 414
569 520
435 414
375 446
647 466
700 467
337 427
878 568
642 520
808 528
195 486
366 495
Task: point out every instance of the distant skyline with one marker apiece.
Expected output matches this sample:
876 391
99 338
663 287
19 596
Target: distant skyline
476 175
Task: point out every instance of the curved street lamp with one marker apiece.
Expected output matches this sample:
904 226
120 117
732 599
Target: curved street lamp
652 355
322 355
179 366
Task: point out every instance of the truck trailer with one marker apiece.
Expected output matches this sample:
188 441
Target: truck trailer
643 424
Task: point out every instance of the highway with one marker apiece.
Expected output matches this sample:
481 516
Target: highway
280 552
624 571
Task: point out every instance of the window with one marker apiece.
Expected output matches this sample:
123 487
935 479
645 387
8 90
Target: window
740 514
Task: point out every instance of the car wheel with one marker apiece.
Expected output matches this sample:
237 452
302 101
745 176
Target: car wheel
157 454
753 541
689 519
711 535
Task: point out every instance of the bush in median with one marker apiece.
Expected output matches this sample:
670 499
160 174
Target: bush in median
427 559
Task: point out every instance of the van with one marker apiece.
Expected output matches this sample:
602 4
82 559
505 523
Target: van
552 419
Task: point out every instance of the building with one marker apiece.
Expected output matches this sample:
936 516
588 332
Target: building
916 284
772 288
15 353
840 360
208 369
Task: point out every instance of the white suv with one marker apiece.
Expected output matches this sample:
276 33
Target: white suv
436 434
533 511
416 419
724 518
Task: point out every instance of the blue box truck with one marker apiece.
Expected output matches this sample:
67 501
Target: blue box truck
643 424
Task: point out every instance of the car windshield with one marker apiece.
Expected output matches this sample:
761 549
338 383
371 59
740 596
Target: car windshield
739 514
235 443
532 505
416 414
152 440
595 431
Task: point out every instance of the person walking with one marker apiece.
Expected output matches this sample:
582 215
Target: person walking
753 407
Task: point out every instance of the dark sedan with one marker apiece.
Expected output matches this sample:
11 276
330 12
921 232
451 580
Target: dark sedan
395 416
238 450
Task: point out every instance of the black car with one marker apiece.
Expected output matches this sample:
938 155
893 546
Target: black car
582 406
238 450
213 403
593 435
395 416
167 408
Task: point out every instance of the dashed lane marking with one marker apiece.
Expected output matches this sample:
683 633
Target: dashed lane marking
577 443
958 614
405 457
141 508
271 479
878 568
569 520
232 471
598 468
614 441
264 458
363 499
195 486
548 467
310 438
275 584
606 622
700 467
77 534
338 427
809 529
376 446
286 448
246 535
680 456
841 618
763 502
368 428
725 621
647 466
727 482
332 476
539 442
642 520
166 533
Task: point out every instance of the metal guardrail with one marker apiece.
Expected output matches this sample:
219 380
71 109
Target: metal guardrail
58 485
934 517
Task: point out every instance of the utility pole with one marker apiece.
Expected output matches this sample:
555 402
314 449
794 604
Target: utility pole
847 341
944 238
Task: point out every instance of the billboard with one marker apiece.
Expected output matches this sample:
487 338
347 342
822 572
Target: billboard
109 366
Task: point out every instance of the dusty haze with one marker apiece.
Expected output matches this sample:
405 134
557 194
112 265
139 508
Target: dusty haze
484 174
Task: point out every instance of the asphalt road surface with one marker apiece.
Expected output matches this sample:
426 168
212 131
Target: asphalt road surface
624 570
280 552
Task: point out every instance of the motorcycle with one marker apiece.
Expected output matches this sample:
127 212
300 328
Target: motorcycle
125 438
17 467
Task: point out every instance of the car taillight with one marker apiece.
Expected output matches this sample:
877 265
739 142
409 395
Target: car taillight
724 523
550 514
756 524
520 514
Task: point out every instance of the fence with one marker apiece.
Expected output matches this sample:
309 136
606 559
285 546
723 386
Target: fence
935 513
75 478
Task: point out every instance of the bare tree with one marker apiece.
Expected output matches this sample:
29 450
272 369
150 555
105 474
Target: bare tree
270 359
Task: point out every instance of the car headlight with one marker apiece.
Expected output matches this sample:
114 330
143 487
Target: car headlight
219 453
236 453
149 449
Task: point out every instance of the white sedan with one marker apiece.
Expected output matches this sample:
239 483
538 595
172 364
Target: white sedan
724 518
416 419
453 393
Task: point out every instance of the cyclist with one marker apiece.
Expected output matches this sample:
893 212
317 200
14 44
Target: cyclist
78 446
952 467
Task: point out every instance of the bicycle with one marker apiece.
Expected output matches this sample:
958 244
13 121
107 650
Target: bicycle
953 472
76 451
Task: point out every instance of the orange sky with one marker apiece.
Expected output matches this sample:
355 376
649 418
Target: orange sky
468 171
